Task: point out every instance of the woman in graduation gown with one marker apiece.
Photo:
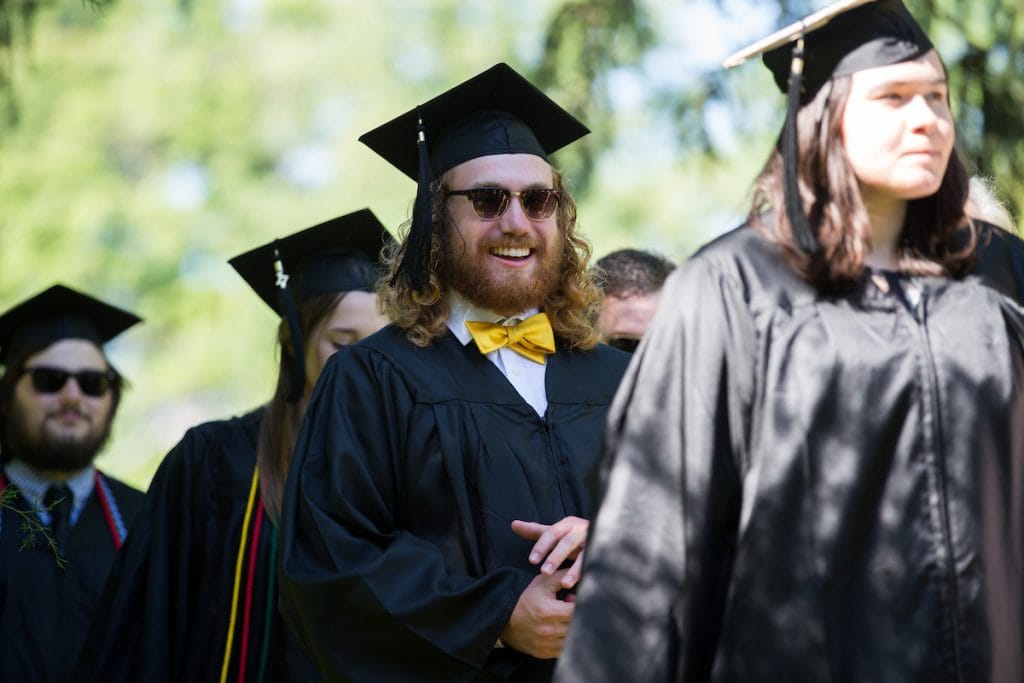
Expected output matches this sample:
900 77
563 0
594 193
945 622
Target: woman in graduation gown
816 459
194 595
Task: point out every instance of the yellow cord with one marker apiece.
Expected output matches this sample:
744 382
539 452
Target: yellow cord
238 575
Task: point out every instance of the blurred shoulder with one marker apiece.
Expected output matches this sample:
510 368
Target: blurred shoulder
740 264
1000 260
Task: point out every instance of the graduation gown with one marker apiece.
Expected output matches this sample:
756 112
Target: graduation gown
399 562
806 488
166 613
45 609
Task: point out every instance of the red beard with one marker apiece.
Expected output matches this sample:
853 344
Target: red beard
472 276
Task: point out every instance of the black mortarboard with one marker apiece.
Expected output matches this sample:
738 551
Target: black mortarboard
59 313
839 40
316 258
495 112
338 255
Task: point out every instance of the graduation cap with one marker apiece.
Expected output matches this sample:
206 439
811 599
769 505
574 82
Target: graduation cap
338 255
59 313
495 112
839 40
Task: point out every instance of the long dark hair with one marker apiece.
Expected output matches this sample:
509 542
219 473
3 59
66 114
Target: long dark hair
936 238
279 425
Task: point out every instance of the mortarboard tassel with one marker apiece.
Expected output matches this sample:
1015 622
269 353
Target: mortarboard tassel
803 234
291 314
415 265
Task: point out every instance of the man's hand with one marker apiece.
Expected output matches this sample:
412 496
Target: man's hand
540 619
555 544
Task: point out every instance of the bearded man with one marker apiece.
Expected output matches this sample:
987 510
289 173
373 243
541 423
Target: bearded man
436 508
63 520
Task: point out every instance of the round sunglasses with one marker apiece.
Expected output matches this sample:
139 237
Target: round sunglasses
50 380
490 203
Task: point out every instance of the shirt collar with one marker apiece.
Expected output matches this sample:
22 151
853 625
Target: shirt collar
33 485
462 310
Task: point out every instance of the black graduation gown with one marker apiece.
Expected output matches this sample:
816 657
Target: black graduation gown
814 489
165 614
45 609
399 562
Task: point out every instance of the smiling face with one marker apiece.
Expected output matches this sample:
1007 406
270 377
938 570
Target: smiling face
511 263
898 129
60 432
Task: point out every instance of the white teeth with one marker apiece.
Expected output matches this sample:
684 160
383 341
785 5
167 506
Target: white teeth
511 252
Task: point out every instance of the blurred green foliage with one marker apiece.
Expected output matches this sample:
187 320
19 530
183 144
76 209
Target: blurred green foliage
144 142
154 140
982 43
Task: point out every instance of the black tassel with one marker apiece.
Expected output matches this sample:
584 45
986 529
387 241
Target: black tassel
415 265
291 314
803 234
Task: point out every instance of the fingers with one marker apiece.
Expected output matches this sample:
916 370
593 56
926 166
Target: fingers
545 535
567 547
553 608
540 620
562 611
531 531
555 542
572 575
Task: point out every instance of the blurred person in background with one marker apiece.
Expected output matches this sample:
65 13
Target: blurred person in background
194 595
631 280
63 521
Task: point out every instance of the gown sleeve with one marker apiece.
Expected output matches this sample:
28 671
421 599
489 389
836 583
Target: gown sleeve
369 599
142 617
1001 261
660 550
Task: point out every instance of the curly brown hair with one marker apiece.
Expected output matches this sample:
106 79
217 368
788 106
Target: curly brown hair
933 241
572 307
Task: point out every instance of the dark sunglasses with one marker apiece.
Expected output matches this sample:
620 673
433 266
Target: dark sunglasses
627 344
491 202
47 380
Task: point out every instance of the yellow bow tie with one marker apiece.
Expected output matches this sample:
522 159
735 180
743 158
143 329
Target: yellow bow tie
532 337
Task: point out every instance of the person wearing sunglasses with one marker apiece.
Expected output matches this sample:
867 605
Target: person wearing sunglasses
826 427
193 597
631 280
433 527
62 521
